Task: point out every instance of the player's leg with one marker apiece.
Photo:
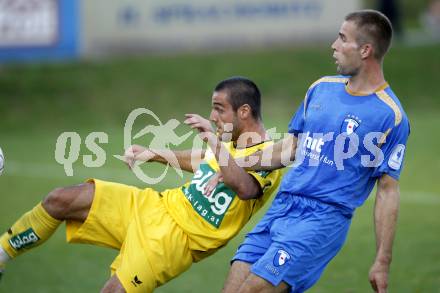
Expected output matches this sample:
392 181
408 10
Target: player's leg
155 249
240 279
254 283
301 247
113 285
238 274
250 251
37 225
70 203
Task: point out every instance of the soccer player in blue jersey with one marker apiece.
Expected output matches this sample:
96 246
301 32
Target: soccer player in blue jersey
349 133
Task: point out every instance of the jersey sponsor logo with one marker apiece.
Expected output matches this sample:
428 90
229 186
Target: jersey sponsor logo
350 124
24 239
281 258
396 158
314 144
311 147
211 208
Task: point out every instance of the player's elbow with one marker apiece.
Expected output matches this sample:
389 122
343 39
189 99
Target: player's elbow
245 188
388 189
248 191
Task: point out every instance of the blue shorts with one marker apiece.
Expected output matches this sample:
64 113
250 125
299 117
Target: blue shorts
294 241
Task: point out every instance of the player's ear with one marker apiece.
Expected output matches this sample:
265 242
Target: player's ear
244 111
366 51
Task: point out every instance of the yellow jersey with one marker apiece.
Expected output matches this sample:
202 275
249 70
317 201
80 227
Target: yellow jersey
211 221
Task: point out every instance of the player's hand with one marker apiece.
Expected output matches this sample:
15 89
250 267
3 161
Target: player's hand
137 153
379 277
212 184
198 122
206 132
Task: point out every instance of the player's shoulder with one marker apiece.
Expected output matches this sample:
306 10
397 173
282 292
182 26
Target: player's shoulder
334 79
392 105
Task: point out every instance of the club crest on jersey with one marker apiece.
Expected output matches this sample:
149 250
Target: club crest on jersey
281 258
396 159
350 124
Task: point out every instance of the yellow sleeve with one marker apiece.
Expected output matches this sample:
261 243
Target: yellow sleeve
266 179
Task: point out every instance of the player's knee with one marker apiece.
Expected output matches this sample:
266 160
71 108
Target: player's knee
57 203
255 283
238 273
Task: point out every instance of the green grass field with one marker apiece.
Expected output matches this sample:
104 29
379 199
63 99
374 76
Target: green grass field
39 102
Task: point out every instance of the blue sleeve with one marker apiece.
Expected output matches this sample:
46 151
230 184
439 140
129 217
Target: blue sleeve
394 151
297 122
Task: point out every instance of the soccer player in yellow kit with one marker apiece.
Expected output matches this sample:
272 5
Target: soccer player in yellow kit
160 234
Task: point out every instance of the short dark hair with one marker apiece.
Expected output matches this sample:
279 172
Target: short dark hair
375 28
240 91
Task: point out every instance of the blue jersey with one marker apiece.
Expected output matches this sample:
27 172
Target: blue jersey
346 141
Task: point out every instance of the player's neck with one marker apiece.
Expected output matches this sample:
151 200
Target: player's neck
368 80
254 134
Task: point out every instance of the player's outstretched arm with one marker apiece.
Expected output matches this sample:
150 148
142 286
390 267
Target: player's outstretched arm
187 160
385 218
279 155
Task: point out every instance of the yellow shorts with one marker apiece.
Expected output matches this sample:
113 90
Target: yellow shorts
153 248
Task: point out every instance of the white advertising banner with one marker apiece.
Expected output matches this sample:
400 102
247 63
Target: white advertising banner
173 24
28 23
